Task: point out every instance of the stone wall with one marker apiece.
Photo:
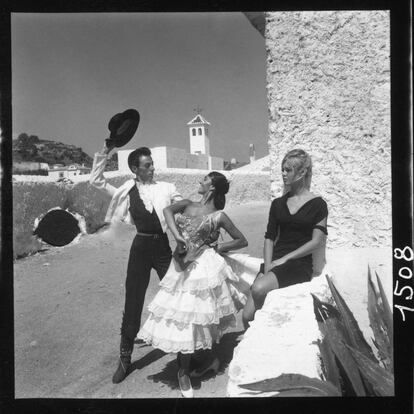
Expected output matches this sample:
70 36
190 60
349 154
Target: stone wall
328 81
282 337
32 199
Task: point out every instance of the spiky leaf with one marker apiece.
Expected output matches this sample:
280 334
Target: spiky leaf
378 322
353 335
297 384
323 310
380 379
343 370
336 340
388 319
386 309
329 367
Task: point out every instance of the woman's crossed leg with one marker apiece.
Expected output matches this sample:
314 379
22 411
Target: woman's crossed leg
262 285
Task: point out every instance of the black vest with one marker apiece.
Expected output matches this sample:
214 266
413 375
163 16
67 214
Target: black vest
145 222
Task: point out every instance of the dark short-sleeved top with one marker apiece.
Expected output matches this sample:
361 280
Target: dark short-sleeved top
295 229
145 222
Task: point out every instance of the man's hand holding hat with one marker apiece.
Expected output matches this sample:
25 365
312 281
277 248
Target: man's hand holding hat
122 127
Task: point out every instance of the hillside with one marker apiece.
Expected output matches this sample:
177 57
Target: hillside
30 148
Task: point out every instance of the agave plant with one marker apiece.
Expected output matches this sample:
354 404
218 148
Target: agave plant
349 366
380 317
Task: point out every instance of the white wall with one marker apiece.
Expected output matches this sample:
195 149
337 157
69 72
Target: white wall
199 143
176 158
56 174
169 157
330 95
215 163
197 161
159 156
123 160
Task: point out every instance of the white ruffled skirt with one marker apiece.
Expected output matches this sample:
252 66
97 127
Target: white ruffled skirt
196 306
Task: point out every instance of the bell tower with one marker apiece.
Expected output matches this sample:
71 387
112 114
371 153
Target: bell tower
198 133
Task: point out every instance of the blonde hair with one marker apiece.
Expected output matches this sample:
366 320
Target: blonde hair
300 160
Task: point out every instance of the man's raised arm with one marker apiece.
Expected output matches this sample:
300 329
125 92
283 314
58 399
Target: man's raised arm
97 178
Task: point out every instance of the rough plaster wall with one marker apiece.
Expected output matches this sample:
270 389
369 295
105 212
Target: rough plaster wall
328 80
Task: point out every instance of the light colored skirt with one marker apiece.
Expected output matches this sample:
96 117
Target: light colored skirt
196 306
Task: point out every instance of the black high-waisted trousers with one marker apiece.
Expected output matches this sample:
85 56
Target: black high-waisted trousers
146 253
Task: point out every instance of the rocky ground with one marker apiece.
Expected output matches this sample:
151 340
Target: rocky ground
68 306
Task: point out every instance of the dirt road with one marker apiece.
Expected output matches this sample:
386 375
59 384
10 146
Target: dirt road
68 308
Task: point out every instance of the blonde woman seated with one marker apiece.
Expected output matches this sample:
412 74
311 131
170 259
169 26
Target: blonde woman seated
296 229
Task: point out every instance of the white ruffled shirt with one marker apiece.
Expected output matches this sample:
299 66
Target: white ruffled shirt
155 195
147 194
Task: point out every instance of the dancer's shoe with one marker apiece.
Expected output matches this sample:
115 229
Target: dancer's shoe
125 349
185 385
213 366
122 370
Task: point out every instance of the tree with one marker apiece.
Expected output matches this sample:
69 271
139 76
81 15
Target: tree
22 138
34 139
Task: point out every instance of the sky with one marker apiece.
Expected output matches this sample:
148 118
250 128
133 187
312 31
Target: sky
71 72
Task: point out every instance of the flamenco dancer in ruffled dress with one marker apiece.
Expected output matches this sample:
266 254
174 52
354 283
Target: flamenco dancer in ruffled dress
200 294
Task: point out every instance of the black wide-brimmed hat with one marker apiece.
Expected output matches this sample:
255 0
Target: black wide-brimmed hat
57 227
123 127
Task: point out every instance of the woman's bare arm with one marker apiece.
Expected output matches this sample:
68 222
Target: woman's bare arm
169 213
268 254
238 242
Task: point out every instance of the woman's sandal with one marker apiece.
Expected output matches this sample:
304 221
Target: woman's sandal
213 366
185 391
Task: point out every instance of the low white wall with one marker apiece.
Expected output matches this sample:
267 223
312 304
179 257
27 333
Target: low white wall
159 156
38 194
215 163
176 158
169 157
123 160
197 161
281 337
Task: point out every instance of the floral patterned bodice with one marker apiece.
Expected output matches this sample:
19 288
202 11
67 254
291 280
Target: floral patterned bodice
199 232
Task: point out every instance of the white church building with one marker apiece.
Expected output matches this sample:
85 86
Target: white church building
169 157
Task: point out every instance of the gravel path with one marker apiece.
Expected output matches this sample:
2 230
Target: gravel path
68 308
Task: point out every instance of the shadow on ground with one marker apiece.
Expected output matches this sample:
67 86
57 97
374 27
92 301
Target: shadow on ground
168 375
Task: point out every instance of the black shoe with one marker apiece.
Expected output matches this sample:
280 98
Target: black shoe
122 370
214 366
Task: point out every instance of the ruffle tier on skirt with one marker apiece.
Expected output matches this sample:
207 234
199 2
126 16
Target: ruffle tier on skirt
194 307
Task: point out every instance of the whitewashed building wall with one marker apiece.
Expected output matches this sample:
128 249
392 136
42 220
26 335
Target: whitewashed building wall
328 82
215 163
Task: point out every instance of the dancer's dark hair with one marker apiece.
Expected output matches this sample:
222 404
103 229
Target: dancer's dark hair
221 188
